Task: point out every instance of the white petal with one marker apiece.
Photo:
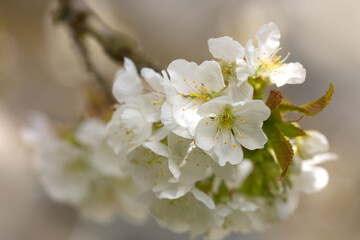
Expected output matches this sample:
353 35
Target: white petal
291 73
225 48
253 136
251 56
188 77
268 38
129 65
143 134
242 204
254 110
211 76
66 189
182 132
167 117
321 158
228 149
243 71
313 179
91 132
214 106
239 92
204 198
127 82
151 106
205 134
287 207
178 146
154 79
175 191
313 143
184 110
182 74
159 134
174 168
132 119
116 133
158 148
149 169
197 167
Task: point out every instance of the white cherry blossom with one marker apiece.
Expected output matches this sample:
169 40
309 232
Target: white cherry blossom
226 127
190 86
138 119
265 62
194 212
92 134
84 172
229 53
311 151
171 171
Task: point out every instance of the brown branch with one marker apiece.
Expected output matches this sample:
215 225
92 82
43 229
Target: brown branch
83 22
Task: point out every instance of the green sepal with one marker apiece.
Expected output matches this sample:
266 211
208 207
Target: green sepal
280 145
290 130
274 129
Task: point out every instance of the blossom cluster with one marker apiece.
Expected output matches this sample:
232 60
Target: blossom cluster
196 146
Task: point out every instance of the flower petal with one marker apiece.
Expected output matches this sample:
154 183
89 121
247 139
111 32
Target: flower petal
251 56
239 92
254 110
182 74
154 79
204 198
132 119
196 167
205 134
243 71
151 106
312 144
158 148
313 179
214 106
178 146
211 76
184 110
250 135
228 149
225 48
175 191
167 117
268 38
291 73
127 83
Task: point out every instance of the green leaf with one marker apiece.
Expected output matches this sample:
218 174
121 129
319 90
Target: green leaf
280 145
290 130
310 109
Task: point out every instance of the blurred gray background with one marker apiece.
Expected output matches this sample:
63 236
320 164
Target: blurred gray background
41 70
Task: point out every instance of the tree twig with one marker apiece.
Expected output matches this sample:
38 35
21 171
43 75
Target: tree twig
83 22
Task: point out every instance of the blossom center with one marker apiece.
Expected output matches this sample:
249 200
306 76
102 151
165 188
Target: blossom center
226 119
270 64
